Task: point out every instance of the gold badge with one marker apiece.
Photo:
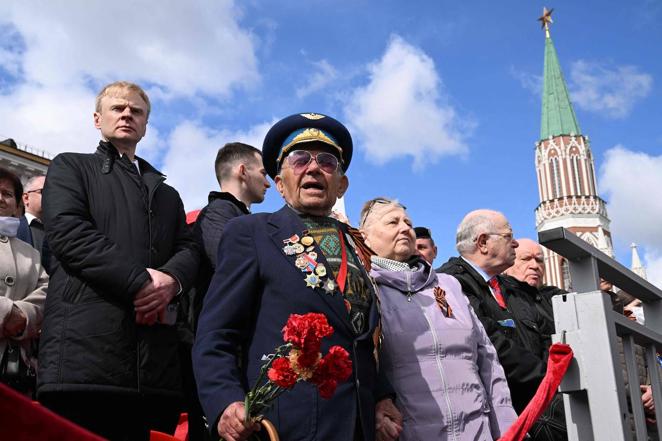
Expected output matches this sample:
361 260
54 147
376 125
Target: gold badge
307 241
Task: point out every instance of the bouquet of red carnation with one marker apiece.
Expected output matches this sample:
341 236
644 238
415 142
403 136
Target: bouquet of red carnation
299 359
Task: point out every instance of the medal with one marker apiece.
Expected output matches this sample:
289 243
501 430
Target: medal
298 248
312 255
309 249
289 250
320 270
292 239
307 241
312 281
301 263
329 287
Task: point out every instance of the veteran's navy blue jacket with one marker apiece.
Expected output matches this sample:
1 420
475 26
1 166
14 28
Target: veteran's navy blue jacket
254 290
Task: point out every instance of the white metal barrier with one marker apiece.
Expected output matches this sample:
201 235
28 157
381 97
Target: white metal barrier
596 406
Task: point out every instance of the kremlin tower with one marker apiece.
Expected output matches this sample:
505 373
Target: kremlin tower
566 173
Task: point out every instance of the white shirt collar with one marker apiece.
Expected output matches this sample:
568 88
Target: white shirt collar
478 269
30 217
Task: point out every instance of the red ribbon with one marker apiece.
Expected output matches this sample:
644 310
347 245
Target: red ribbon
341 278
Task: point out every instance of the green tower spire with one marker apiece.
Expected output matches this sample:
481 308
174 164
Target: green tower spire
558 116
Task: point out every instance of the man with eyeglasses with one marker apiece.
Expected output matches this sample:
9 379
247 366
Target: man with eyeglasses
517 330
31 228
294 261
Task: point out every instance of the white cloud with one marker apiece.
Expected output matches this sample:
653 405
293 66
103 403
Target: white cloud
611 91
189 163
403 111
654 267
186 47
64 54
627 178
324 74
531 82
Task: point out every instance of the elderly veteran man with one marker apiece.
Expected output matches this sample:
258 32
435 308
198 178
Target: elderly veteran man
515 327
294 261
527 276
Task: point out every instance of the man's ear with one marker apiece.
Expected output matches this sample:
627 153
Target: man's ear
481 243
96 117
279 184
344 185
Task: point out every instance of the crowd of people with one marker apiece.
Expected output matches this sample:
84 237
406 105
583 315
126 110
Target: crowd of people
145 317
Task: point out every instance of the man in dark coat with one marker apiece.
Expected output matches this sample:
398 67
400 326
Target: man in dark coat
295 261
243 182
31 227
529 269
108 358
519 333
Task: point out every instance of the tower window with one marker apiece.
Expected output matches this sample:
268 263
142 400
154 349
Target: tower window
555 176
577 174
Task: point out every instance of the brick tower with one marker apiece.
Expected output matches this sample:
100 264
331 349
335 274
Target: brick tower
566 174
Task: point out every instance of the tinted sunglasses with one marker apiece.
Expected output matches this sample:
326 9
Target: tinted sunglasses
300 159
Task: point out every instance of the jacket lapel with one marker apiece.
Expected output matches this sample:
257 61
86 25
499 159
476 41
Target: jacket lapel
285 224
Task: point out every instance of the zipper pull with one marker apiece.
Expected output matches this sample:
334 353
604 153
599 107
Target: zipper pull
409 296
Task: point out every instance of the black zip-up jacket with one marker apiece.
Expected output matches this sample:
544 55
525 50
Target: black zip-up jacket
520 344
105 224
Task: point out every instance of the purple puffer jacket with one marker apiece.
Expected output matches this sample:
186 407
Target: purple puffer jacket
445 372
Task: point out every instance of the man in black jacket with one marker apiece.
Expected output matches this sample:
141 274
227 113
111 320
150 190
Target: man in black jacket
515 327
243 182
108 358
528 269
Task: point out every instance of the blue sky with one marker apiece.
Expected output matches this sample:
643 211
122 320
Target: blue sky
442 97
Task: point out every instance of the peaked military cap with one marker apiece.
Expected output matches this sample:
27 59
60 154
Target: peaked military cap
301 128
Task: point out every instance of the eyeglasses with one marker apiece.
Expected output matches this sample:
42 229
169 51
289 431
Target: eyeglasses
300 159
507 236
371 204
38 191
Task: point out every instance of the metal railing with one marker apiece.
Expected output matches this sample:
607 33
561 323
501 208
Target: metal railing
596 405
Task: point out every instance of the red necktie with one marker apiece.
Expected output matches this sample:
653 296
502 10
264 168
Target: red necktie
496 289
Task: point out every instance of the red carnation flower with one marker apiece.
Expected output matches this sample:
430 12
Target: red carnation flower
306 332
333 368
281 373
339 363
327 388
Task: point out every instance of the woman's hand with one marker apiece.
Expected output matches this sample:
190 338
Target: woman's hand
388 420
15 323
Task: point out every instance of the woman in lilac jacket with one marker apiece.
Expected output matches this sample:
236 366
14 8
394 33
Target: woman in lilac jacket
447 378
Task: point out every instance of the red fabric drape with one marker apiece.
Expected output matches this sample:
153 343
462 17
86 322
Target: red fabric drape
559 359
192 216
24 420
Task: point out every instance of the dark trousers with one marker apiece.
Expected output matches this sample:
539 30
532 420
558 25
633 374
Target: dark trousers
116 416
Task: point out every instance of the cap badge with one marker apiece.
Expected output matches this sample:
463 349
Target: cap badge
312 115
